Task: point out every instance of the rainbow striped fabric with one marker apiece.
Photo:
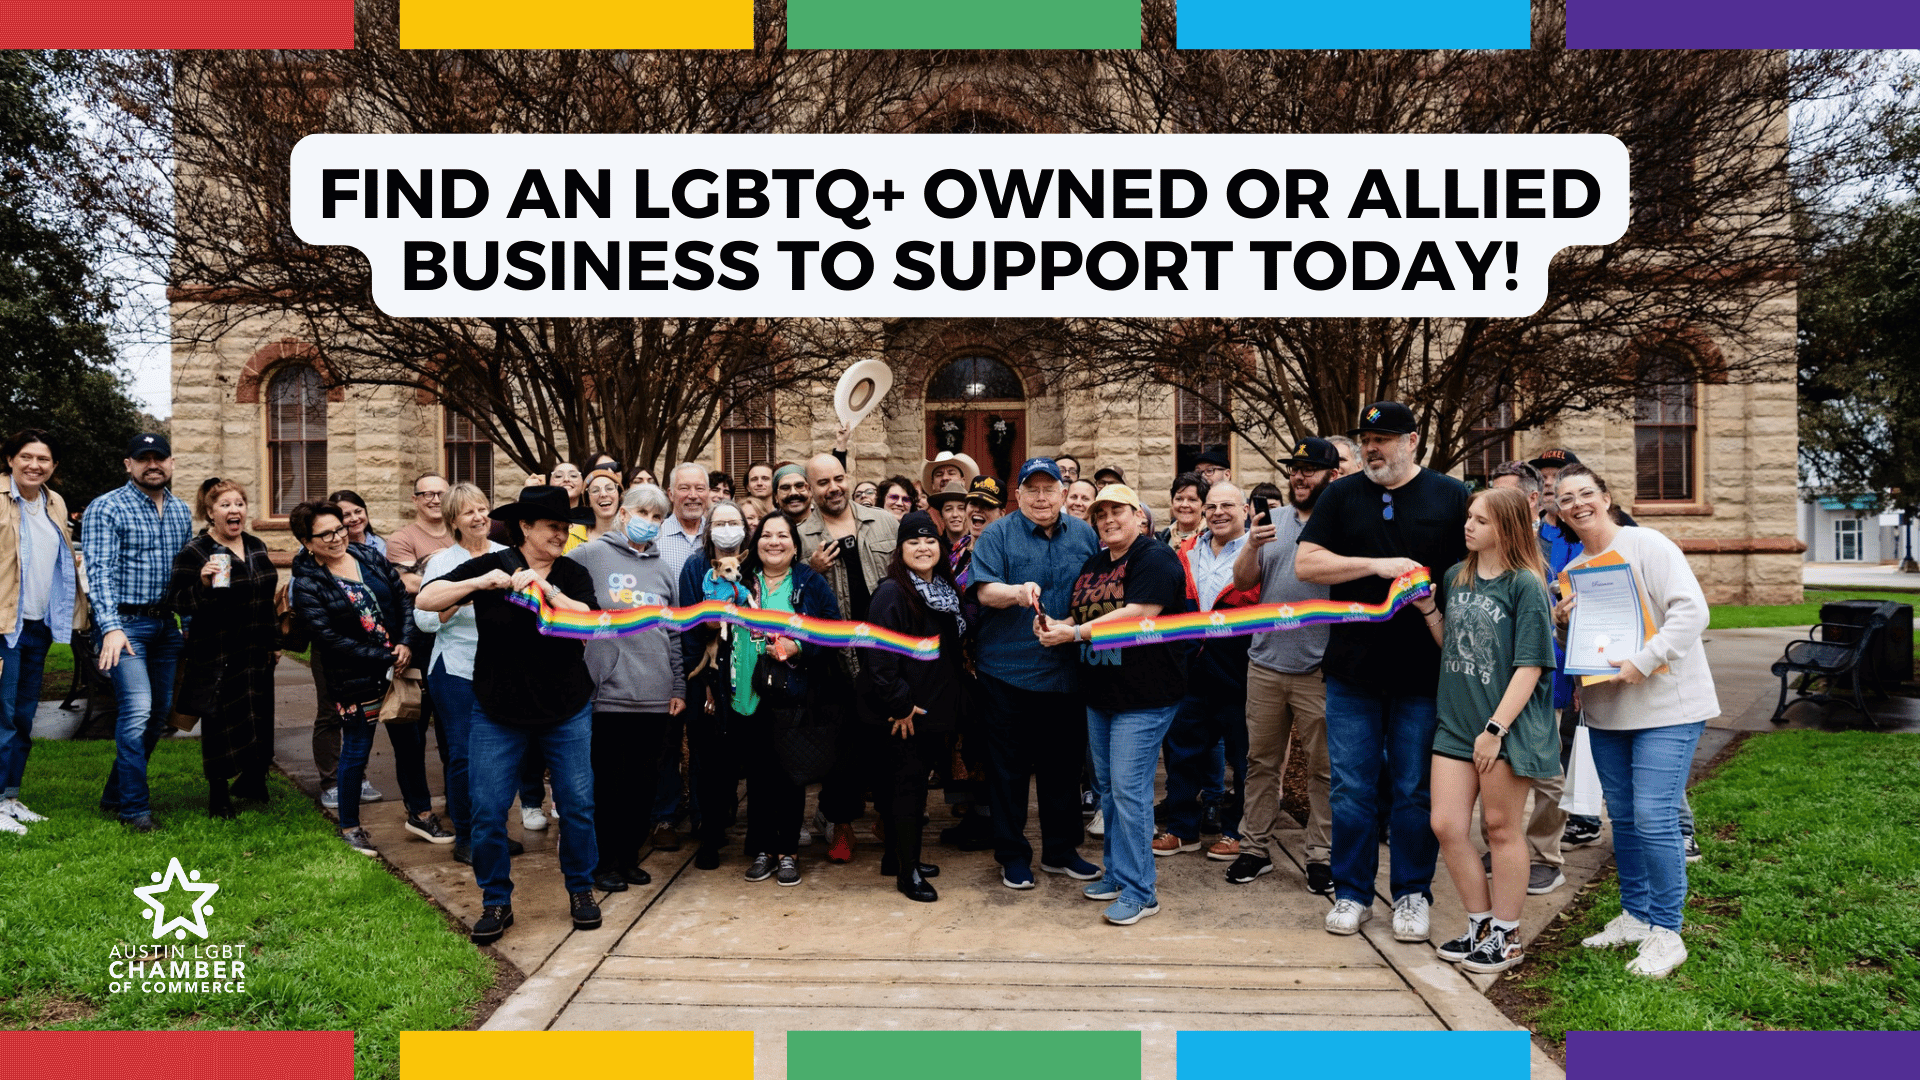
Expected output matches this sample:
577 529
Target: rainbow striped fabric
1234 622
833 633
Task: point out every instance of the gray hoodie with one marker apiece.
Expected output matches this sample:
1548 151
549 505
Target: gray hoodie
640 672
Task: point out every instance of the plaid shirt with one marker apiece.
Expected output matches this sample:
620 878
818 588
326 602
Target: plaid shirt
129 550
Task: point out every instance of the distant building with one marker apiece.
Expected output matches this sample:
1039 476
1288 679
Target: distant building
1849 530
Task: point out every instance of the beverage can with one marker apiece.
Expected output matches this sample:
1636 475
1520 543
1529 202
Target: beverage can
222 569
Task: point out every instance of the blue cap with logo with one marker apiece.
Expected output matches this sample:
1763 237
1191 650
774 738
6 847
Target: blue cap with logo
1040 466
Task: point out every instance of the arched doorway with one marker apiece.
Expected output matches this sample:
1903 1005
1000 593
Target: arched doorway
976 405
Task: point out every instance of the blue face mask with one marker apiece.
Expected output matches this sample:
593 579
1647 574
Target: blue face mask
642 531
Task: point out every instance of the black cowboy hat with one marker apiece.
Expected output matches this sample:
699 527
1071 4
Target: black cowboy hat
543 502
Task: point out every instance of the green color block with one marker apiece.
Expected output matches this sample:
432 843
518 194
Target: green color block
962 1055
982 24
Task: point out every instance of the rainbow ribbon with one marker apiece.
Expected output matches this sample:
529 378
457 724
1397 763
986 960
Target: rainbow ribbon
1233 622
833 633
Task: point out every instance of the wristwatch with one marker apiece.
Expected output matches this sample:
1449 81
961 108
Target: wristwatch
1496 730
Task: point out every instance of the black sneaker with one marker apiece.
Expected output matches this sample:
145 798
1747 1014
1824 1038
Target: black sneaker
761 868
427 827
463 854
1461 947
1495 953
358 840
1580 831
493 922
633 875
1692 848
788 872
1210 823
609 881
1247 867
586 913
1089 802
1320 878
144 823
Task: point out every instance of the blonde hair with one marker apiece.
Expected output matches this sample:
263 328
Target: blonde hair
460 498
1517 545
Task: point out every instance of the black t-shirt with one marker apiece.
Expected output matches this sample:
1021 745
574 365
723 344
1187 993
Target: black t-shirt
1138 676
1429 517
522 677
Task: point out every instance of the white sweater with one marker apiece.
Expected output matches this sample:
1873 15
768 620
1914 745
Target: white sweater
1684 693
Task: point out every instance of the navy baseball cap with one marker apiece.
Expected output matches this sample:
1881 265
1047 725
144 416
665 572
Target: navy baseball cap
149 443
1314 453
1040 466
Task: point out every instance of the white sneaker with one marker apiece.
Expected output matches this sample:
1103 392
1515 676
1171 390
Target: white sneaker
369 793
1660 953
330 798
9 825
532 818
1623 930
1098 826
18 811
806 835
1347 915
1410 918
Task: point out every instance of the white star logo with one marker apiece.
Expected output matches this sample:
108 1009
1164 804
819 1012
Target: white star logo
149 895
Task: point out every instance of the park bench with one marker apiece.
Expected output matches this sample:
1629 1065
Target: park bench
1840 655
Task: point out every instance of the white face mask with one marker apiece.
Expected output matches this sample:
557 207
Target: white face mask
729 537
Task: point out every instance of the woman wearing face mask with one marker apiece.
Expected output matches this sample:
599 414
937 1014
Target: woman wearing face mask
775 683
712 729
915 700
603 498
359 525
223 582
639 683
450 678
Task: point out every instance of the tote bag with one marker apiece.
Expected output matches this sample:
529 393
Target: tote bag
1581 794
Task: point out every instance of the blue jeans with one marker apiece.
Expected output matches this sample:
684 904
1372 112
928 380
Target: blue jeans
1126 750
1193 760
356 746
494 752
453 698
143 694
1361 727
1644 776
21 668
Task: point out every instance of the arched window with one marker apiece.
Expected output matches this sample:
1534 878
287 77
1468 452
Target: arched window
1665 427
1202 423
296 437
975 378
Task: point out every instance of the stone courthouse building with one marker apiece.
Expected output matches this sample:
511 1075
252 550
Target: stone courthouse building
1711 465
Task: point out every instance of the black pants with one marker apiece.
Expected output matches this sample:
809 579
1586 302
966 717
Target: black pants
900 775
717 762
843 795
774 802
1040 737
626 753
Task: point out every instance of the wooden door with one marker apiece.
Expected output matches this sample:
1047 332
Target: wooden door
972 431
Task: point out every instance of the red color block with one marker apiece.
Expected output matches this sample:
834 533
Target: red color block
177 24
200 1055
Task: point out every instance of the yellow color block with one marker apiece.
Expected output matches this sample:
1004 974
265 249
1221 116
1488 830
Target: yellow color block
464 1055
576 24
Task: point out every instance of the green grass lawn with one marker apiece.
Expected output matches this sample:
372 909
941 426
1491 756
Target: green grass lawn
59 673
333 940
1805 913
1805 613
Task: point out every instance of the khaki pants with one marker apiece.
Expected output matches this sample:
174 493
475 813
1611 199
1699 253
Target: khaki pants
1544 824
1276 705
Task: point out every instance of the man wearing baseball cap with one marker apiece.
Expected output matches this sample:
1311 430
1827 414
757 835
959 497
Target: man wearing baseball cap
1391 518
1035 721
129 537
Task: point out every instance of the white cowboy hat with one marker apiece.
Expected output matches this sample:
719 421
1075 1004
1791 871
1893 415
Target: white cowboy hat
860 390
968 468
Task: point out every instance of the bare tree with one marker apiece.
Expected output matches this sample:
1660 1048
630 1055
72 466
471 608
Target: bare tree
195 163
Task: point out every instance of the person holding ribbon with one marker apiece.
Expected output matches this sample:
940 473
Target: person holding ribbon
1644 722
1390 519
1131 693
713 573
530 690
639 683
1496 730
915 701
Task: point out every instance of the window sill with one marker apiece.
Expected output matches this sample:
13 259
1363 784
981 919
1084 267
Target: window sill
271 525
1640 510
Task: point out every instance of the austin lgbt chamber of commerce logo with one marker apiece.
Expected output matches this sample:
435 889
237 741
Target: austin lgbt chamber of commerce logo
177 904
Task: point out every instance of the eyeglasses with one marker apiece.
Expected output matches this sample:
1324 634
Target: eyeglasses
1386 506
429 495
331 535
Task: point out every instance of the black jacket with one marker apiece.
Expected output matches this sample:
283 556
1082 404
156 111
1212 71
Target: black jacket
890 684
358 669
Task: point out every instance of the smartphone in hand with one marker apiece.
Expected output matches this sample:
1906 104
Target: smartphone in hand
1260 513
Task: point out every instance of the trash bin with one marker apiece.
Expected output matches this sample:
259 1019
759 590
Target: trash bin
1892 657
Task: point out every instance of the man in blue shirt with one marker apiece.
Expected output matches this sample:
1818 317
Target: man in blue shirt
1034 721
129 537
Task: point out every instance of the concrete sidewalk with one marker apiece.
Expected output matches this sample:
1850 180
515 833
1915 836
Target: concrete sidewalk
709 950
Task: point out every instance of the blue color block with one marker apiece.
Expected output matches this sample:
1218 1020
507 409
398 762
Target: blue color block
1429 1055
1354 24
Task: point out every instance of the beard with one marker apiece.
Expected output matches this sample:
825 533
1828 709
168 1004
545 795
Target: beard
1305 502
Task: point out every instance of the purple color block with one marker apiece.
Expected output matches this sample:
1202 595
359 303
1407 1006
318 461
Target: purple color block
1749 1055
1743 24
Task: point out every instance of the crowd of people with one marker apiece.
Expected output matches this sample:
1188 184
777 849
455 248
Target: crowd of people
1407 723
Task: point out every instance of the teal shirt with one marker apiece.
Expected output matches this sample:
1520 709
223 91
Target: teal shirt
747 648
1494 626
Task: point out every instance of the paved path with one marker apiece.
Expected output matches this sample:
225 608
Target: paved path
700 950
1858 576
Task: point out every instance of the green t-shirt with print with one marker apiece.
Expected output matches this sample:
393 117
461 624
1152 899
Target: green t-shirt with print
1493 626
